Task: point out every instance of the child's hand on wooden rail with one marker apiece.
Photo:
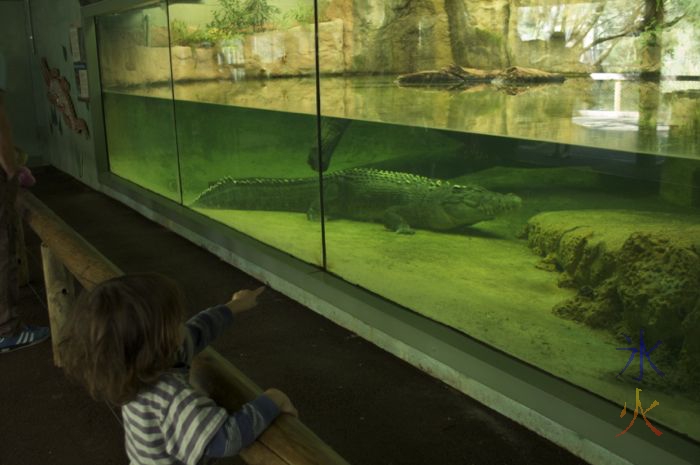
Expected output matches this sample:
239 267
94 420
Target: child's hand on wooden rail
244 300
280 398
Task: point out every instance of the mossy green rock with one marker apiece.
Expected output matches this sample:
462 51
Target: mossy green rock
632 270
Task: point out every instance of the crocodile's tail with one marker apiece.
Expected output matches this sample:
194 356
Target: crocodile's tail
272 194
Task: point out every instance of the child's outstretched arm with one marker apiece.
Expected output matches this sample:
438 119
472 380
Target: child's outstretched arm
207 325
242 428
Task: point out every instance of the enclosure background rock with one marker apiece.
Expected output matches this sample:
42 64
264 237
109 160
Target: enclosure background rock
631 270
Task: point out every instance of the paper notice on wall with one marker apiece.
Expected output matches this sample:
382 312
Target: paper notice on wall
81 81
76 45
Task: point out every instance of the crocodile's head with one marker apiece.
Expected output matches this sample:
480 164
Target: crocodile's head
465 205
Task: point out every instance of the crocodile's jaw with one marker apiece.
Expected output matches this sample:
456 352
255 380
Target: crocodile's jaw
470 205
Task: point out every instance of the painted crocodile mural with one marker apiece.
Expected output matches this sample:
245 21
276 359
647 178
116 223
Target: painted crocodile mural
58 92
401 201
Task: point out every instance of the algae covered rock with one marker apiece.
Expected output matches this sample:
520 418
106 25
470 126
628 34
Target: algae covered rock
632 270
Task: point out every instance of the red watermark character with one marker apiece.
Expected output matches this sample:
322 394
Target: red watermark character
638 408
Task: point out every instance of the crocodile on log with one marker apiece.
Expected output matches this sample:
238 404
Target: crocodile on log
398 200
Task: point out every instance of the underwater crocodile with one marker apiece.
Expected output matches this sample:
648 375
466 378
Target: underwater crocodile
399 200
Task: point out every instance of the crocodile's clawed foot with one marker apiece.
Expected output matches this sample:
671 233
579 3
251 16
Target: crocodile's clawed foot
405 229
313 215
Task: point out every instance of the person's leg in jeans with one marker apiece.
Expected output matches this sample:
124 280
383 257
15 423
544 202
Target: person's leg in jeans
13 334
9 323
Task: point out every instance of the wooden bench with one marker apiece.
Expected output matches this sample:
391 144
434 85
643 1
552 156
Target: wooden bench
67 257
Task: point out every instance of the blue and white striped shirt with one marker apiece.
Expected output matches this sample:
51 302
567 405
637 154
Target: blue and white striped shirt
171 423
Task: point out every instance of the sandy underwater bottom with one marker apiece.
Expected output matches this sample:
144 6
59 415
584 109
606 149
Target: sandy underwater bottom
484 282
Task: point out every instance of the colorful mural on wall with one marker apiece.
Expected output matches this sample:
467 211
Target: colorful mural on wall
59 96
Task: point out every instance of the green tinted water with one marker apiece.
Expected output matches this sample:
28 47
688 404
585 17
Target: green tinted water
656 118
483 280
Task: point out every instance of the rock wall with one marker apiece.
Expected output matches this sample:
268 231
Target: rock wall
126 61
403 36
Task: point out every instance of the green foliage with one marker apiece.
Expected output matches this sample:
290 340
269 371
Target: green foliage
229 18
259 12
233 17
181 34
303 13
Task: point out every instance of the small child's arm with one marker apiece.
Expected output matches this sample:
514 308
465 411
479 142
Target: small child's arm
242 428
207 325
204 327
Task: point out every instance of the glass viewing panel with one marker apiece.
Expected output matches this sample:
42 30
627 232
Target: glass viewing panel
528 175
577 222
242 161
134 56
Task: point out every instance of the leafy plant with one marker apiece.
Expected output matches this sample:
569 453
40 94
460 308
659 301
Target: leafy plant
229 18
182 34
259 12
303 13
233 17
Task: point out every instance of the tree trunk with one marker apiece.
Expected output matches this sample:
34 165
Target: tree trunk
652 40
459 27
651 72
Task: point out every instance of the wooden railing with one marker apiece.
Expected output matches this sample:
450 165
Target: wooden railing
68 257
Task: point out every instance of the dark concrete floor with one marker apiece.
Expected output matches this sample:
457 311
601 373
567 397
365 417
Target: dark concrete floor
371 407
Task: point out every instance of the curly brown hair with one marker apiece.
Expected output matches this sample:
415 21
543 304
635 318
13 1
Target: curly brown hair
122 335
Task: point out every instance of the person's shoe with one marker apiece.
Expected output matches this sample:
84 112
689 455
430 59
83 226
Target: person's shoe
29 336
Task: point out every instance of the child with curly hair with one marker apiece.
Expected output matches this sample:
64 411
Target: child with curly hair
125 341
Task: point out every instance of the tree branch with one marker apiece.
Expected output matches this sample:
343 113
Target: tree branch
632 30
668 24
581 32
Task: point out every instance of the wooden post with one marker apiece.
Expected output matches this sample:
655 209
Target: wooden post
60 295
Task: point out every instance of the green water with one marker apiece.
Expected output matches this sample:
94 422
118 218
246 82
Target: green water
655 118
141 142
484 280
